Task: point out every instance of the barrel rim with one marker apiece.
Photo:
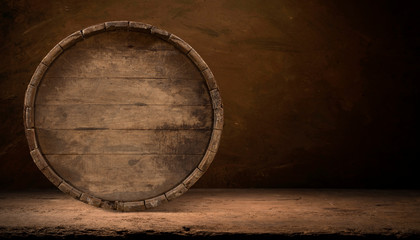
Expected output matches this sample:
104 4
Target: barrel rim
67 43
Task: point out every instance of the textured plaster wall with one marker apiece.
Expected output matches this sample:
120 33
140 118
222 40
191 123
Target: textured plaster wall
316 93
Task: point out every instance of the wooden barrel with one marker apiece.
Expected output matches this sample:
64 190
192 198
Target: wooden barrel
123 115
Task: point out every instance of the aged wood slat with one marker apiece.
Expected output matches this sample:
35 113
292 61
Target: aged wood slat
124 42
123 117
30 137
198 61
139 27
216 100
52 55
106 64
39 159
113 90
207 160
30 96
215 140
160 33
179 43
52 176
218 118
211 82
128 177
95 29
38 74
29 117
67 188
89 199
131 206
71 40
123 141
156 201
192 178
116 25
176 192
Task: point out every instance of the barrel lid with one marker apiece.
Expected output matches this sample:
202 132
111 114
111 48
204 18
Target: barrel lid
123 115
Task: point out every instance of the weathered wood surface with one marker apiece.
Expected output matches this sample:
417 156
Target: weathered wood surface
115 90
113 54
126 177
126 116
79 117
100 141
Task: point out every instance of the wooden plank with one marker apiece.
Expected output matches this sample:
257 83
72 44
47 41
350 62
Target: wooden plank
156 201
52 176
123 177
211 82
123 117
139 27
30 137
122 91
193 178
123 141
216 99
196 58
116 25
207 160
95 29
52 55
109 62
131 206
176 192
29 117
30 96
179 43
39 159
67 188
38 74
160 33
215 140
218 118
94 201
71 40
124 41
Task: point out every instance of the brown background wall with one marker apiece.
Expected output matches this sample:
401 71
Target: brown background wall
316 93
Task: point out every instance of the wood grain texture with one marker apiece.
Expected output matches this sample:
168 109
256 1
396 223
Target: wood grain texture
116 25
131 206
207 160
120 115
114 90
160 33
164 64
67 188
179 43
124 177
71 40
102 116
29 117
94 201
139 27
30 137
93 30
192 178
39 159
156 201
38 74
176 192
52 176
52 55
98 141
